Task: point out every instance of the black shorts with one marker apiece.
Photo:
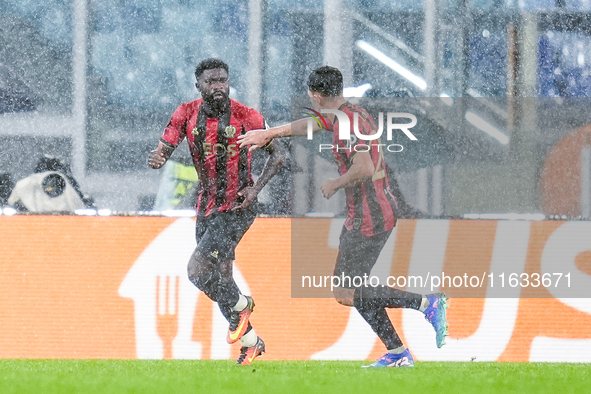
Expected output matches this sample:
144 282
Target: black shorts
357 255
218 234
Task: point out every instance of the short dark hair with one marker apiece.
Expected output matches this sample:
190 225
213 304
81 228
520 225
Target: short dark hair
210 64
327 81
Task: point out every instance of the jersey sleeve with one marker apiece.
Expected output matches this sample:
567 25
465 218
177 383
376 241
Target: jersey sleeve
175 131
254 120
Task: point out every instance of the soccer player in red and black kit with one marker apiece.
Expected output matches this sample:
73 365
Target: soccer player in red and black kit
370 216
227 199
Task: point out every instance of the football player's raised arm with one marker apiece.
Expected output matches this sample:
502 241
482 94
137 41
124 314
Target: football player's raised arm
296 128
258 138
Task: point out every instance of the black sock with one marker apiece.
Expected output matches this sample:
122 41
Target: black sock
386 297
380 323
224 292
226 311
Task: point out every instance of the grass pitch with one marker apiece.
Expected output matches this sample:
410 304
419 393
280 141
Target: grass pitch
326 377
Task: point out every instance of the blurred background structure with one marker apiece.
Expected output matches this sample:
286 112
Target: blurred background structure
94 83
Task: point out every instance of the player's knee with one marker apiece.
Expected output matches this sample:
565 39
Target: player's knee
195 277
201 278
198 269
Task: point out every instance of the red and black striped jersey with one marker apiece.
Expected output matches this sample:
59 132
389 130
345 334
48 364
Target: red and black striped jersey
223 168
370 205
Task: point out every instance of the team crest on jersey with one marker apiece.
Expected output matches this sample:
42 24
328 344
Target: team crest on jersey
230 131
195 131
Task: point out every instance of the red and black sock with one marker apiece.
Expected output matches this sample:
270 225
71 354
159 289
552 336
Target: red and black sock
371 302
386 297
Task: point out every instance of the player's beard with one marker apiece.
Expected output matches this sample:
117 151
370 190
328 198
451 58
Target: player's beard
215 106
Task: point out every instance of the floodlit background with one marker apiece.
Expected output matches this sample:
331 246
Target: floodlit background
94 82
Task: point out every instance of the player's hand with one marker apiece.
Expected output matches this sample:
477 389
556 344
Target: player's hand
250 194
254 138
156 159
329 188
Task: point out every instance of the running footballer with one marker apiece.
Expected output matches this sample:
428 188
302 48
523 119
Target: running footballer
227 196
370 217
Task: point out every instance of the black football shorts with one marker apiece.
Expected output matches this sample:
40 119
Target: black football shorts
219 233
358 254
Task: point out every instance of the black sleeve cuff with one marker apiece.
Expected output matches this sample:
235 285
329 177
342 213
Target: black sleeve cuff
167 143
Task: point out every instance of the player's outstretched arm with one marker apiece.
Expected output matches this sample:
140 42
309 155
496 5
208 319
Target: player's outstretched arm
277 157
258 138
160 155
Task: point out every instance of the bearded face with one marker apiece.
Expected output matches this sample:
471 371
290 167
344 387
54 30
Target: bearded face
214 87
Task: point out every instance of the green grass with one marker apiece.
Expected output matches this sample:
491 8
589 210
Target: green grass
138 376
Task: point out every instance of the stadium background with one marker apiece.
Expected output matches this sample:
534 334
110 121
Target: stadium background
94 82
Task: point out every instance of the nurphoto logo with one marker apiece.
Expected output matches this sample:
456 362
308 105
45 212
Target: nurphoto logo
345 129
